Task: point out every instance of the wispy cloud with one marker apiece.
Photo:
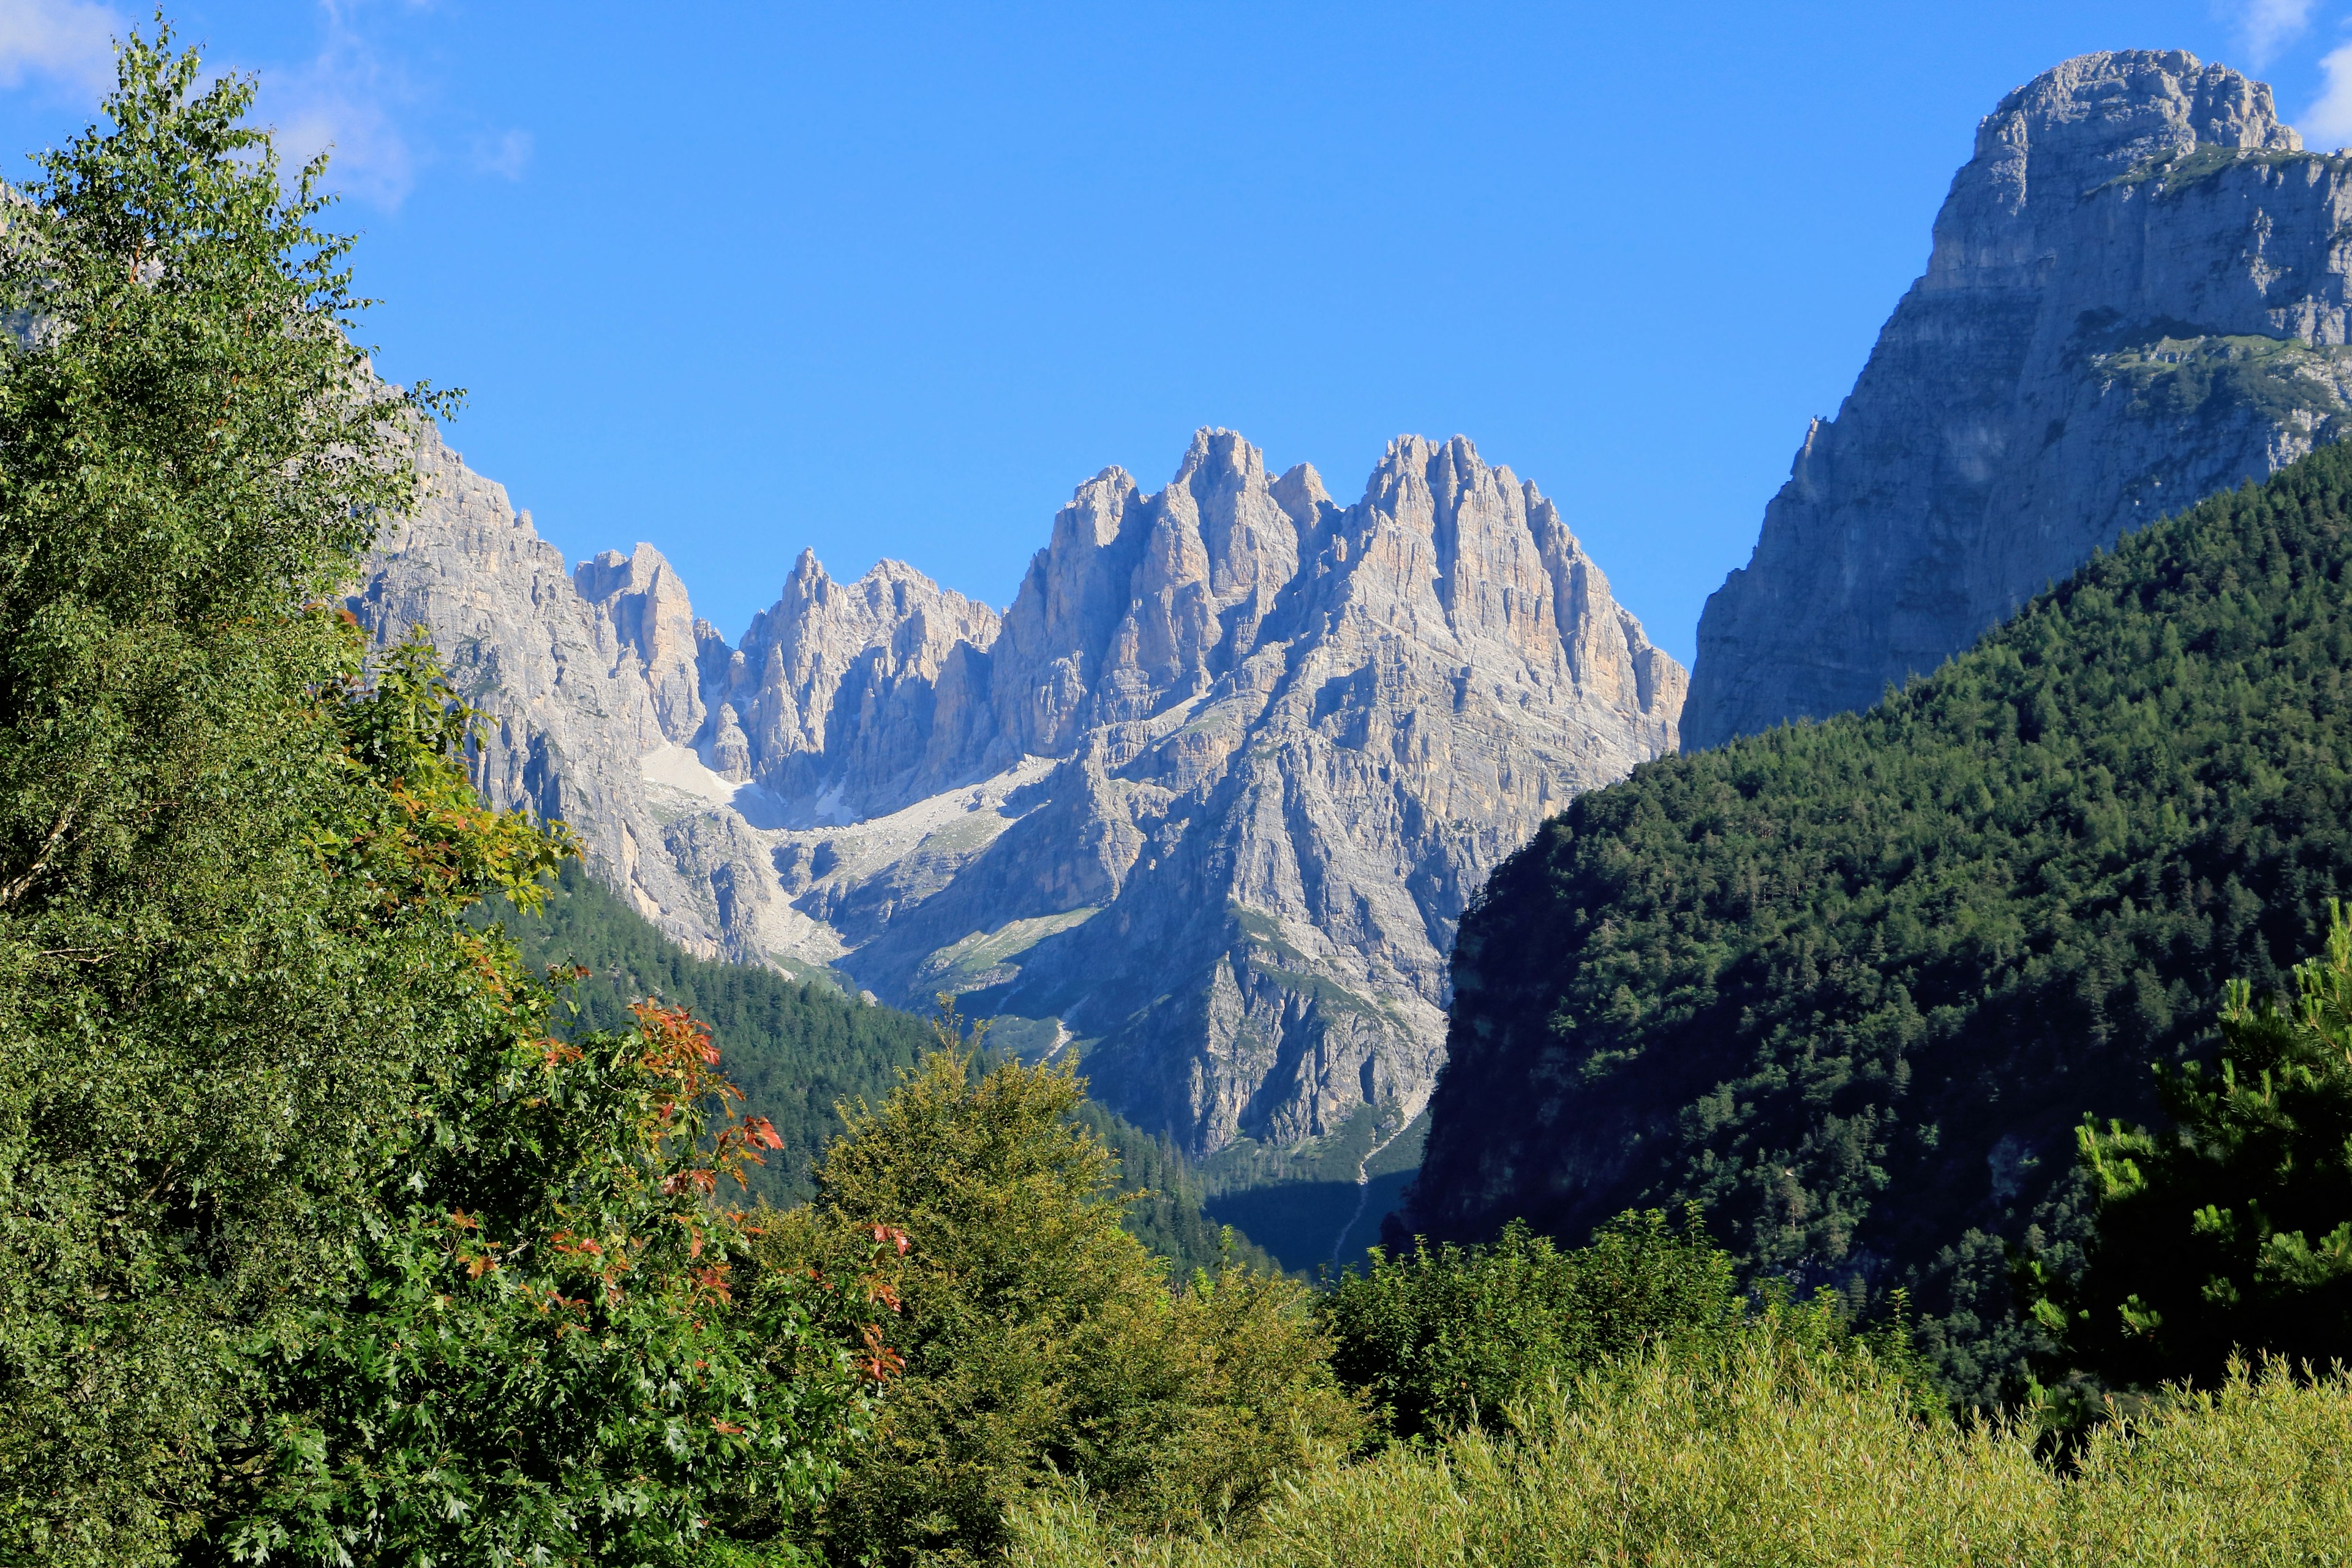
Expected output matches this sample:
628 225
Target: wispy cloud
506 156
2268 26
356 99
2328 122
69 42
345 100
352 96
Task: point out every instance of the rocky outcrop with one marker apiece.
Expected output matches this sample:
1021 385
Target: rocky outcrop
837 686
652 617
1208 800
568 700
2135 296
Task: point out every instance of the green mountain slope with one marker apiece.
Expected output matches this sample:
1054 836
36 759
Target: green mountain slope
798 1049
1853 983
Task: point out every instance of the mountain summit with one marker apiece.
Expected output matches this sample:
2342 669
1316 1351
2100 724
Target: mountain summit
2136 296
1207 800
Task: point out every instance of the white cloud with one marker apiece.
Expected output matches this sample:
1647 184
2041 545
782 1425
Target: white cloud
506 157
68 41
352 97
344 101
367 155
2269 24
2328 122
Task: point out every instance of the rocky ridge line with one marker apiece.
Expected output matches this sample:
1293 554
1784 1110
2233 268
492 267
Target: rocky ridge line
1208 798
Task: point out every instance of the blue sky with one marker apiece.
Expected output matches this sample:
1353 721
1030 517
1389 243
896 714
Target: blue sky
890 279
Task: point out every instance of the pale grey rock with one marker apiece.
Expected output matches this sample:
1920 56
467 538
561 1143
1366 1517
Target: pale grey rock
1209 796
567 703
731 749
652 617
2136 297
838 685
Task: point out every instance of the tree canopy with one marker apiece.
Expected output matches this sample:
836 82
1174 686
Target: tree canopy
1040 1341
1853 984
2230 1232
315 1243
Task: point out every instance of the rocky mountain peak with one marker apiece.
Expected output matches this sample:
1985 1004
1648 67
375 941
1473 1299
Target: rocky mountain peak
2136 295
1210 795
826 654
2097 116
2070 130
1300 494
651 614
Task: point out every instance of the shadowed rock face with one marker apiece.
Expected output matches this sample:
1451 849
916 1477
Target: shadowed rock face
2136 297
1209 796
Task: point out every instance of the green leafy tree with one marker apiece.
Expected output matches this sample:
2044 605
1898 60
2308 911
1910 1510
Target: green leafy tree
538 1351
200 1014
2230 1233
311 1248
1441 1338
1039 1339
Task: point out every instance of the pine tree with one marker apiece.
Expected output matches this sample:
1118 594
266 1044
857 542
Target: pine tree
2230 1232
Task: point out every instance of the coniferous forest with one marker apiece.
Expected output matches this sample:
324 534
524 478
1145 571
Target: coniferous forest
375 1189
1854 985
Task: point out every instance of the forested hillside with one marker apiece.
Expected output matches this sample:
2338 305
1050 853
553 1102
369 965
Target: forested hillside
799 1048
1853 983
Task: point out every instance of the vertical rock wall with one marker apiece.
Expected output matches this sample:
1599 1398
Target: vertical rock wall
2135 296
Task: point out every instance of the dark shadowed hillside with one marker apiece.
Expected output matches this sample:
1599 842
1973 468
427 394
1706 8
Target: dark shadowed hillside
1853 983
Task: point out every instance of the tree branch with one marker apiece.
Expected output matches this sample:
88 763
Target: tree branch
12 890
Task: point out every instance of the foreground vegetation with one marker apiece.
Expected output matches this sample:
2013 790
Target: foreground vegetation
1033 1337
1773 1452
315 1243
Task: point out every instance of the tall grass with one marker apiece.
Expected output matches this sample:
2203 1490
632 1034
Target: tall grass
1775 1453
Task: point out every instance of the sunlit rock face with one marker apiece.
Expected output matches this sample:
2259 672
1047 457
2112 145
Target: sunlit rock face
2136 297
1206 800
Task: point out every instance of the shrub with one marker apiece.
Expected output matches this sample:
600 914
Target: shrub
1440 1339
1039 1339
1788 1450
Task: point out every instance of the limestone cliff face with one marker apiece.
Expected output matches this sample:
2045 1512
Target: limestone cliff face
1208 799
2135 296
837 686
571 700
651 614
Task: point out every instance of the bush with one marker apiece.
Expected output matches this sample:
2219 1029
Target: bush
1040 1339
1442 1339
1788 1448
